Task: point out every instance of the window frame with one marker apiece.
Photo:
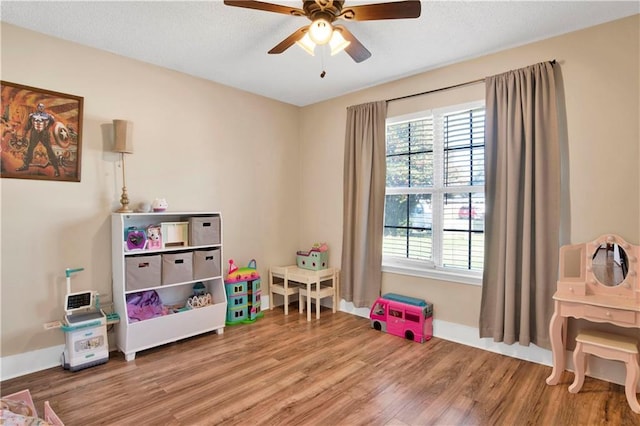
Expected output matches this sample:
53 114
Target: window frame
431 269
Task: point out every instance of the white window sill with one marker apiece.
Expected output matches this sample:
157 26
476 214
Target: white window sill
436 274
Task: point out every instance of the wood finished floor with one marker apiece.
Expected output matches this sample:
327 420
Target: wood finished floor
335 371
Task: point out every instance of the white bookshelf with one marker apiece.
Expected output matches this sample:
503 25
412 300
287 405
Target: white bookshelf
133 337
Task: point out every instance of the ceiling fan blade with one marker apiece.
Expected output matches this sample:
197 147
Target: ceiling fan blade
269 7
355 49
289 41
391 10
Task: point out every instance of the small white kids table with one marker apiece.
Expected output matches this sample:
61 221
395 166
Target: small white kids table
307 278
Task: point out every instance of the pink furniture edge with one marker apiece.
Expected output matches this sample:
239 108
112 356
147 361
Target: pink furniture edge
25 396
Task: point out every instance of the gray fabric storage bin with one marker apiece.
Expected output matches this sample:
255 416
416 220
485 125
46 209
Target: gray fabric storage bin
177 267
204 231
142 272
206 264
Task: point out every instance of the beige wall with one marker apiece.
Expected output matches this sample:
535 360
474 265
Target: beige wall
601 73
201 145
281 173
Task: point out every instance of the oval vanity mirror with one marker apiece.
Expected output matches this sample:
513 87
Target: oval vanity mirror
610 264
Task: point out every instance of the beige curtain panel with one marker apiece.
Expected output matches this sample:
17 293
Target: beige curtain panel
363 215
522 163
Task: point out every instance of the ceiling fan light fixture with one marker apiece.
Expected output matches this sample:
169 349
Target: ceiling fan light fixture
320 31
324 13
337 42
307 44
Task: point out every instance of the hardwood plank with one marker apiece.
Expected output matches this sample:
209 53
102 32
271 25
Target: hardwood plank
335 371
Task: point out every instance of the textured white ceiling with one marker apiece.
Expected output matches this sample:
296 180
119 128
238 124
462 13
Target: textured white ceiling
229 45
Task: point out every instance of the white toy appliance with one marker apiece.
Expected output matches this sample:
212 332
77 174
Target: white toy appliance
85 329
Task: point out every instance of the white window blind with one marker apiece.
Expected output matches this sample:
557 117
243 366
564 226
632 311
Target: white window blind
434 205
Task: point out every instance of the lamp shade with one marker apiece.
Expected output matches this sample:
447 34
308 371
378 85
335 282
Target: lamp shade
307 44
123 142
320 31
337 42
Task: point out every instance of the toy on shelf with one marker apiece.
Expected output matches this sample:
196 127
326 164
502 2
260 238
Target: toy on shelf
135 238
174 234
200 297
243 294
403 316
159 205
143 207
199 289
315 259
145 305
154 237
199 301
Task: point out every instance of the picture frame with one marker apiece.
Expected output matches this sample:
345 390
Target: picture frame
41 133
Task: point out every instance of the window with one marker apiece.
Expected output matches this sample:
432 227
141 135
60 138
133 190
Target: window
395 313
412 317
434 204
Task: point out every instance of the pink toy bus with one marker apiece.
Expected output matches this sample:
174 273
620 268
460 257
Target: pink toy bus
403 316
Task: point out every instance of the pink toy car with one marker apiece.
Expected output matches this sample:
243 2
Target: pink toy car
403 316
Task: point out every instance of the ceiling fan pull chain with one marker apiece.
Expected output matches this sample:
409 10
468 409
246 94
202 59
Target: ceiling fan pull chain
323 73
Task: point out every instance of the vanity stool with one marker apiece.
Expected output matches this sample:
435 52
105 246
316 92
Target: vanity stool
608 346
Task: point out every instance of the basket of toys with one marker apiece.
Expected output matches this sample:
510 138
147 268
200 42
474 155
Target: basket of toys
315 259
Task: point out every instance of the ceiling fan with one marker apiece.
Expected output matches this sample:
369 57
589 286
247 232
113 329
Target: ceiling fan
323 13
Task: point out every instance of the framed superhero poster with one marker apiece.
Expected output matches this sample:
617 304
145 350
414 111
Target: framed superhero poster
41 134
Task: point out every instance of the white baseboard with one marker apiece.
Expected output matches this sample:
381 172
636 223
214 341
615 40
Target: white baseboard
610 371
30 362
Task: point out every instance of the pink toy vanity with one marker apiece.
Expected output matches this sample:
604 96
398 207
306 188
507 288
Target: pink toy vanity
598 282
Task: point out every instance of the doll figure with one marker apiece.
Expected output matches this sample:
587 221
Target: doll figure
154 237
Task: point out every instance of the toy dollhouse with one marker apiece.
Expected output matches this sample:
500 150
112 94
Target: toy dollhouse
243 294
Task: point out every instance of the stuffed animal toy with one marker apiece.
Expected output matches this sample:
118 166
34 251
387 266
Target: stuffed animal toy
154 237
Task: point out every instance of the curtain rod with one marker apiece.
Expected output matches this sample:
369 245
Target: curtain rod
455 86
